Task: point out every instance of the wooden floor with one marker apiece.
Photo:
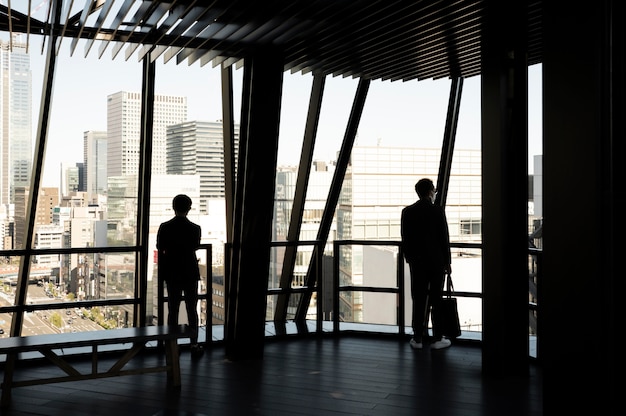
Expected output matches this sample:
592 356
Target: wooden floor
350 375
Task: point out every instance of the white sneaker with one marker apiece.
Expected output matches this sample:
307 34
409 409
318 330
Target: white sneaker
442 343
415 345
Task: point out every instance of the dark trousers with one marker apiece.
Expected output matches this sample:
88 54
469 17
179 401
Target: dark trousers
175 291
426 291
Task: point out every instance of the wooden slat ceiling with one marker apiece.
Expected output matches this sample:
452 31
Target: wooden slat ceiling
384 39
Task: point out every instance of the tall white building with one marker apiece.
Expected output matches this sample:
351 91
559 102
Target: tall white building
197 148
379 183
48 236
16 149
70 178
95 163
124 130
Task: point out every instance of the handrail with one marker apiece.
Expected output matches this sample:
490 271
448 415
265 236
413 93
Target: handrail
31 307
398 289
72 304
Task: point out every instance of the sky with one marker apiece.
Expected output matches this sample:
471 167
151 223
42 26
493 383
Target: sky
408 114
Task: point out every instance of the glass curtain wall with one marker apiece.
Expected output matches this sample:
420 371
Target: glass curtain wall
83 270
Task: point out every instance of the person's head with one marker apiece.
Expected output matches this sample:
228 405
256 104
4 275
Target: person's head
425 189
181 204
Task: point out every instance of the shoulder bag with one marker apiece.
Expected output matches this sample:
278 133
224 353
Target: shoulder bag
449 314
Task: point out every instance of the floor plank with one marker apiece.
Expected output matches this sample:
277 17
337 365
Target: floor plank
351 375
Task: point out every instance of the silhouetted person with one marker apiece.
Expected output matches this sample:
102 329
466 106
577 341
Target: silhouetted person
177 242
426 247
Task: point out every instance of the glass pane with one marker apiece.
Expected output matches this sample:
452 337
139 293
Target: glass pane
380 266
379 308
470 314
466 271
9 270
77 319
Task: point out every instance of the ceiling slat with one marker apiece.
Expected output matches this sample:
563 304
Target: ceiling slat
396 40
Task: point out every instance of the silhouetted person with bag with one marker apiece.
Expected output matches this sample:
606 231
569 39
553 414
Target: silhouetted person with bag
426 247
177 242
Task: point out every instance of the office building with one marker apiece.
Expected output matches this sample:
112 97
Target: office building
370 206
16 151
46 237
7 226
71 174
47 200
379 183
197 148
124 130
95 163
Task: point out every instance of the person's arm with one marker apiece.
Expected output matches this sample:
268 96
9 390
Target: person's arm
405 235
446 242
159 240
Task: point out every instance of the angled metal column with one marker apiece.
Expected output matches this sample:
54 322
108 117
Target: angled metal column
232 251
228 131
35 180
333 194
304 172
449 136
259 182
143 188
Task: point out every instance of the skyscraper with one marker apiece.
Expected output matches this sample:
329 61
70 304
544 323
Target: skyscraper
70 178
95 163
124 130
197 148
16 150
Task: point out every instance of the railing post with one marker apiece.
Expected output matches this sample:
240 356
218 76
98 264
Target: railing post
401 302
320 292
335 310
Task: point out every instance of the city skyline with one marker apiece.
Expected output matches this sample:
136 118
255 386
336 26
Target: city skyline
395 114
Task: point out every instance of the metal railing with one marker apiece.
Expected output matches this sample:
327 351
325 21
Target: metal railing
535 256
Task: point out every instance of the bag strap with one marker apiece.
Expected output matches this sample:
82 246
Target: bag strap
449 287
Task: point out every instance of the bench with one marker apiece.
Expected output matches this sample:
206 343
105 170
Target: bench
51 346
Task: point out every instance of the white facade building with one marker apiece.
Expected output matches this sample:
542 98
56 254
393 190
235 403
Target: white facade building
124 131
48 236
70 178
95 163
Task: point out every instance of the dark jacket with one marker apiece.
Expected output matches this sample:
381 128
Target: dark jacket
425 236
177 242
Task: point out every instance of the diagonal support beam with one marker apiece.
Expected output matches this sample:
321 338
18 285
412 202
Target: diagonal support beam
333 196
35 181
304 172
449 136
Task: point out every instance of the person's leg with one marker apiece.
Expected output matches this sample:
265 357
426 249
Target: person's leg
174 296
191 304
419 294
436 292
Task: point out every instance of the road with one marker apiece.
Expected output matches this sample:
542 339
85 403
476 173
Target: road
39 322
